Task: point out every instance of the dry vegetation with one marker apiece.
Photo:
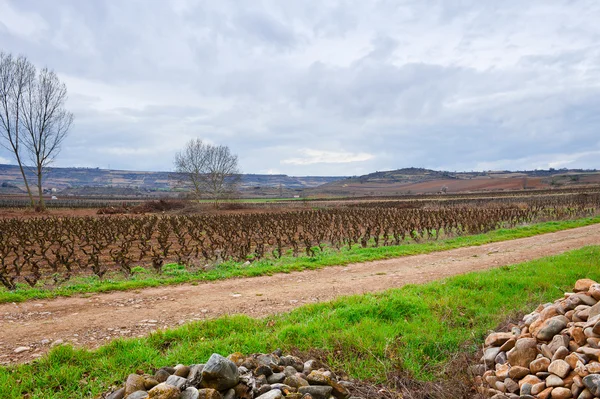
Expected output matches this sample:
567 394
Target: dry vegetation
60 247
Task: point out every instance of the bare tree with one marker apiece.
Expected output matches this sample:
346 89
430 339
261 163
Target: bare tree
45 121
15 75
190 164
212 170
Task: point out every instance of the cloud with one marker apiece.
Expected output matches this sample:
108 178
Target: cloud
127 151
542 161
316 156
341 89
21 23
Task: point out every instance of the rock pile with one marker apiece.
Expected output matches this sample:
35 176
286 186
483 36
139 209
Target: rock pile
553 353
260 376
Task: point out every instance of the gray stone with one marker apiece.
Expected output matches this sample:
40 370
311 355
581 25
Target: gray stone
177 381
270 360
554 381
182 371
557 342
263 370
327 378
138 395
317 392
501 358
511 385
275 378
586 299
134 383
529 319
195 375
585 394
489 355
190 393
594 311
219 373
526 389
272 394
260 380
295 381
283 388
264 389
592 383
551 327
118 394
560 353
292 361
161 375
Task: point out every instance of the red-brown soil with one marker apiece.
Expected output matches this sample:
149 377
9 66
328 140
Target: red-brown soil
93 320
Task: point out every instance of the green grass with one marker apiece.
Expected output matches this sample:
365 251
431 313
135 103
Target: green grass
176 274
417 329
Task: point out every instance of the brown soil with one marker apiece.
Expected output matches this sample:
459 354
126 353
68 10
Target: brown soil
95 319
8 213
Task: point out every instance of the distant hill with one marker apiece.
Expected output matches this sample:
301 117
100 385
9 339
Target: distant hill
95 181
427 181
9 189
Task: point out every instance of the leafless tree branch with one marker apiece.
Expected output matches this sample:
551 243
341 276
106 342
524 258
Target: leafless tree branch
211 170
15 74
45 121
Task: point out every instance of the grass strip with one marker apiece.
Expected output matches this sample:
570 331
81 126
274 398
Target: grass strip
177 274
416 329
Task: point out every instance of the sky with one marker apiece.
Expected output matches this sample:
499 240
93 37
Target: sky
321 87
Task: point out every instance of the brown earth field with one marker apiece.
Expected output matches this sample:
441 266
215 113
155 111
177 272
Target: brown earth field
92 320
479 184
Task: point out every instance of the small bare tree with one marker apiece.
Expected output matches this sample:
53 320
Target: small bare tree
190 164
45 121
15 75
212 170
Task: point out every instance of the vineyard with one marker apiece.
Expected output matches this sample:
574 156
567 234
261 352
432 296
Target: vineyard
39 249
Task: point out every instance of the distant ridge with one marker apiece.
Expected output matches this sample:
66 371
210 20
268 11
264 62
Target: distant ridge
110 182
62 178
427 181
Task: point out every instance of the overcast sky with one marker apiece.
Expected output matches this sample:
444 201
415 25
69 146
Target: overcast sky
321 87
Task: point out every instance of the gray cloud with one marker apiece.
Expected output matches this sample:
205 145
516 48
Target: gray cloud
346 87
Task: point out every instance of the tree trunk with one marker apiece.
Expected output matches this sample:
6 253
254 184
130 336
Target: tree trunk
32 202
42 205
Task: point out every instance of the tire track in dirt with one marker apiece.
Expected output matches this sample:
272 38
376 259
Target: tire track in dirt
92 320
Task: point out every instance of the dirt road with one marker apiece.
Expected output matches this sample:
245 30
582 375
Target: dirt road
96 319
